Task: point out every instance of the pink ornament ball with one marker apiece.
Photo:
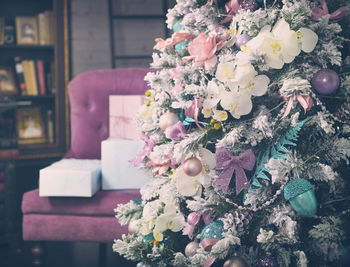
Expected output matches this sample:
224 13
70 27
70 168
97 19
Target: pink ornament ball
325 81
133 227
191 249
168 119
192 166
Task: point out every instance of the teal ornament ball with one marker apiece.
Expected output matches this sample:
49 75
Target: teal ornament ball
177 26
179 46
301 196
213 230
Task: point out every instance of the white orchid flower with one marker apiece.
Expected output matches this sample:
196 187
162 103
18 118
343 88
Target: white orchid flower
191 186
214 93
225 71
282 44
237 102
172 219
213 98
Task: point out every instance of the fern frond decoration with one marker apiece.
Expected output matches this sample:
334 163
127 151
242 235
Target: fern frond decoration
277 151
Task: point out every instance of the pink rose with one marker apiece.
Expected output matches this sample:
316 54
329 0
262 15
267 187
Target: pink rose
202 51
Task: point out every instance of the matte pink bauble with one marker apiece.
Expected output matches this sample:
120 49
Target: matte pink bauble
168 119
133 227
192 166
191 249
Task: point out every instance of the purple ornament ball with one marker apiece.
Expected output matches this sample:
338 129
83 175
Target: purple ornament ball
242 40
251 5
325 81
267 262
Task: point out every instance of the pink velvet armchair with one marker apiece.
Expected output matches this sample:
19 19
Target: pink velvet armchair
84 219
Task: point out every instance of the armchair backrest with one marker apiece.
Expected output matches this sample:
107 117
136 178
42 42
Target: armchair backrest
89 106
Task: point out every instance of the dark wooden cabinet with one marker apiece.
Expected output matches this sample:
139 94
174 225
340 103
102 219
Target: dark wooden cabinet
22 172
52 105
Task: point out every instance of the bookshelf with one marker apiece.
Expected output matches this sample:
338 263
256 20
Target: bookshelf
38 63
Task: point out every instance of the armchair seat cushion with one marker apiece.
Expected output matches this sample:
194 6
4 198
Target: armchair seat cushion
102 203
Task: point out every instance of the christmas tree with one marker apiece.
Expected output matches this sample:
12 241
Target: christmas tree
247 138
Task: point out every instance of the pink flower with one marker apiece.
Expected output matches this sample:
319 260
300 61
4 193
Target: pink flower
202 51
162 44
175 72
180 36
176 38
158 166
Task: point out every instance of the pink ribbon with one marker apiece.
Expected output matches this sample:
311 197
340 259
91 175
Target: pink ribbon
192 220
232 8
147 149
229 164
207 244
193 111
304 100
158 168
317 13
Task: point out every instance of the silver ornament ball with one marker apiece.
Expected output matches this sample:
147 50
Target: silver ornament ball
235 261
168 119
191 249
192 166
133 227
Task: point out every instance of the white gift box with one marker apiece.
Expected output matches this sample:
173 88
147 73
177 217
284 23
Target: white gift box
117 170
70 177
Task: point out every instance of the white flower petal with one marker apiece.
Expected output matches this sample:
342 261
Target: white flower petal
187 185
309 40
245 104
281 28
244 74
210 103
261 83
208 158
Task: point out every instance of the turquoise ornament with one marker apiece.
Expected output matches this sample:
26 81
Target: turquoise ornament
179 46
177 26
213 230
148 238
301 196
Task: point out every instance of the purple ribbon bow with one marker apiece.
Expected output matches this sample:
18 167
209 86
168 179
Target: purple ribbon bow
317 13
147 149
229 164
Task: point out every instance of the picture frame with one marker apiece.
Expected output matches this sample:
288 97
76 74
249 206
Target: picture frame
27 30
30 126
8 84
2 30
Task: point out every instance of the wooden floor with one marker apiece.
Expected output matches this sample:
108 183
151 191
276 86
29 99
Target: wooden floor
63 254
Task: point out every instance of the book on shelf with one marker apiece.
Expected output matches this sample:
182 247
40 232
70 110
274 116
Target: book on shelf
30 77
2 176
18 66
40 74
46 28
50 126
49 77
2 187
2 30
9 154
